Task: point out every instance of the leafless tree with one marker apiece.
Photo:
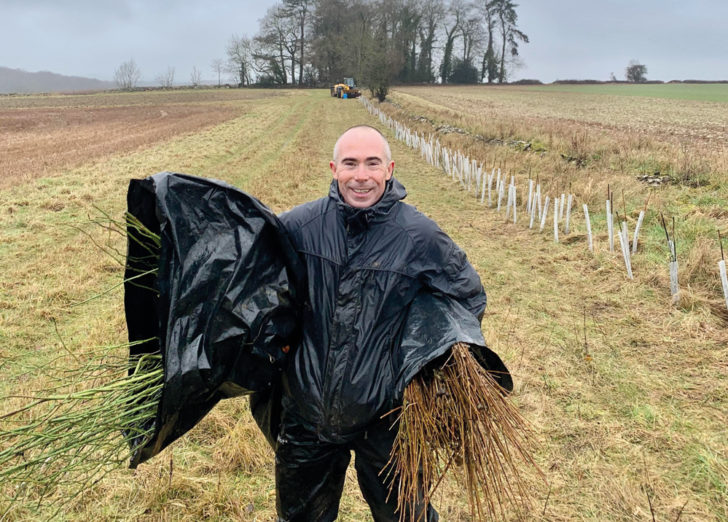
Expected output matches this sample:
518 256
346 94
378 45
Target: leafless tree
472 36
195 77
489 66
433 13
218 67
240 59
127 75
402 20
299 12
166 79
276 46
393 38
457 15
505 11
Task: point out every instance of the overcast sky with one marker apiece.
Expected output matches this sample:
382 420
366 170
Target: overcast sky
569 38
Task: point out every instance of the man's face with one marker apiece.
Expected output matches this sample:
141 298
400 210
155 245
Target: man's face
361 167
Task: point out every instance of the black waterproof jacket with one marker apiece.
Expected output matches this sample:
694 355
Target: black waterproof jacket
365 267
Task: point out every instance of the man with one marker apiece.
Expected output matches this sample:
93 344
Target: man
367 254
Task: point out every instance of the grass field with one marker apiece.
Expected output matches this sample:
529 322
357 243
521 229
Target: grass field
626 391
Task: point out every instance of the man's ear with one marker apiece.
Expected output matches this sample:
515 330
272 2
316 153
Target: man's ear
332 166
390 169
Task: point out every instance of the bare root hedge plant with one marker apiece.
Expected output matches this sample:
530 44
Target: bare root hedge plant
457 418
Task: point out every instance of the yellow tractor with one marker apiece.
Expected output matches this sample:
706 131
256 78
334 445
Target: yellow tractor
345 89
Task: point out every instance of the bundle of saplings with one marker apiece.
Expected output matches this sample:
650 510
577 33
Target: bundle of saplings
456 417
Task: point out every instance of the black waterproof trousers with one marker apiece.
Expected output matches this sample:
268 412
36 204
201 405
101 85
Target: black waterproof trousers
310 475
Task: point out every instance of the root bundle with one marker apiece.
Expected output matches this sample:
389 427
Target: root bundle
457 417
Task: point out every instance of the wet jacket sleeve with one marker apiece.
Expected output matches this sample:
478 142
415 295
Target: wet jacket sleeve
447 270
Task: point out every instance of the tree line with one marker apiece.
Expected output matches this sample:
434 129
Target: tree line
378 42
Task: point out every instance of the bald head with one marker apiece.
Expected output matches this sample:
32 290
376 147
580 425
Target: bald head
363 130
362 165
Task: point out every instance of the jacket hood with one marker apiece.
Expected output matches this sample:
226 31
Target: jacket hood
394 191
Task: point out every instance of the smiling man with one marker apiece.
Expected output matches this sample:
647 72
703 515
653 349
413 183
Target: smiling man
362 165
367 255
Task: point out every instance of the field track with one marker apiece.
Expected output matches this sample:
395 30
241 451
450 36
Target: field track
627 394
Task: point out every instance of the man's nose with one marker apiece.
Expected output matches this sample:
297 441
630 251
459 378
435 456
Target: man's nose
361 172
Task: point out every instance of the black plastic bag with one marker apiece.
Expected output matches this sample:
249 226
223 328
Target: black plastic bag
224 309
434 324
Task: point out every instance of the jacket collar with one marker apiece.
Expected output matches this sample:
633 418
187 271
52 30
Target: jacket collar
394 191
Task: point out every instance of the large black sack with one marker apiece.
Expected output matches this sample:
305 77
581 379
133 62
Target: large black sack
222 308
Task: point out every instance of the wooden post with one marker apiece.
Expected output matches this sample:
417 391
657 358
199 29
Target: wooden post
610 226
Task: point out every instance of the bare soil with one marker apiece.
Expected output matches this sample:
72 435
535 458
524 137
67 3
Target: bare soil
42 136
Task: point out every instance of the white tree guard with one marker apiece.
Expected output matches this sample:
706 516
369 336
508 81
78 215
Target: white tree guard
568 212
637 231
588 228
543 215
674 288
723 280
624 244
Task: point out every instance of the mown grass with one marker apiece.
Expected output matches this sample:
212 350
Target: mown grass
626 392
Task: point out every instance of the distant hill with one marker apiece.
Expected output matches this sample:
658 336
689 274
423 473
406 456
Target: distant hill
17 80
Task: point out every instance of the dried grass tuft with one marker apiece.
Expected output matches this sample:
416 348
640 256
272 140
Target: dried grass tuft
457 417
700 268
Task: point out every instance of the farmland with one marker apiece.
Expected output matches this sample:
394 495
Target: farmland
625 390
715 92
66 131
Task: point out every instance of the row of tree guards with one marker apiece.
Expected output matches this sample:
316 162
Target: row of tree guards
495 188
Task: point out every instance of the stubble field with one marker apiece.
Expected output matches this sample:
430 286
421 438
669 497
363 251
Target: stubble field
627 392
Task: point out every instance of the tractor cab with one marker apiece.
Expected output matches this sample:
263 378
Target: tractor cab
345 89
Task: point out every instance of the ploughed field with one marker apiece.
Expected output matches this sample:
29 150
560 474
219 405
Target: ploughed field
43 134
627 391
